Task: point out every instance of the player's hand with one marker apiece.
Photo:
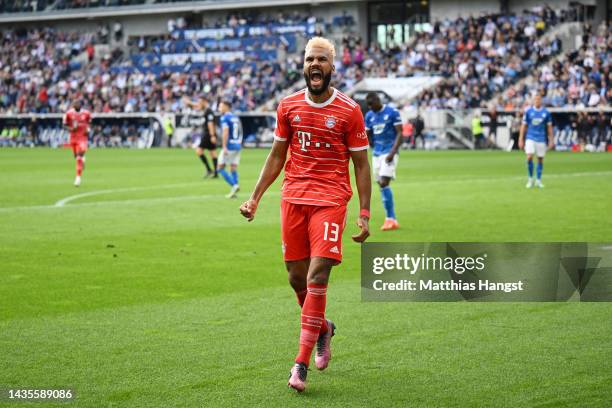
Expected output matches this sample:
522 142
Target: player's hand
521 144
248 209
363 224
213 140
551 146
225 151
389 157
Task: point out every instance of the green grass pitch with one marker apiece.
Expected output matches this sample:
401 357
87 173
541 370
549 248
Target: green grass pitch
147 288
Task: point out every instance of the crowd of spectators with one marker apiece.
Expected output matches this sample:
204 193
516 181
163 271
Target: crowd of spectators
43 70
75 4
478 57
581 78
22 6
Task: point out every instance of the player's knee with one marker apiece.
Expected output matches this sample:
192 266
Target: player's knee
296 281
320 269
319 277
384 182
297 278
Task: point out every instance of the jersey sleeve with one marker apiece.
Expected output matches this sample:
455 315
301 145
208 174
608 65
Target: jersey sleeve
225 121
397 118
210 116
66 119
525 117
356 136
281 133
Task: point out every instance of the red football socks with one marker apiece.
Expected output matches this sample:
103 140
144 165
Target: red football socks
313 316
79 166
301 297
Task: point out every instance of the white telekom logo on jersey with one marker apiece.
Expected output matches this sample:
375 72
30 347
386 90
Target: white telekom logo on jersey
302 136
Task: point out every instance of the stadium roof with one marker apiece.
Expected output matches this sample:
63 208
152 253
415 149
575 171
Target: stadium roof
164 8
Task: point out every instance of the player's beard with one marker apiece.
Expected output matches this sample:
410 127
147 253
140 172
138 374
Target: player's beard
325 85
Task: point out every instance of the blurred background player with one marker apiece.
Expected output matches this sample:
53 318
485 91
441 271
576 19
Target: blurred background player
77 121
384 126
231 129
323 129
537 123
208 141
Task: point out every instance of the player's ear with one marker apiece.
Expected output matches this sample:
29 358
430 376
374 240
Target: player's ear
333 68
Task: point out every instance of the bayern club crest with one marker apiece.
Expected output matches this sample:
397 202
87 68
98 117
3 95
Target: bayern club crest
330 122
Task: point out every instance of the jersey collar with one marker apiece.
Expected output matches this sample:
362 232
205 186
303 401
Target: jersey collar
322 104
382 109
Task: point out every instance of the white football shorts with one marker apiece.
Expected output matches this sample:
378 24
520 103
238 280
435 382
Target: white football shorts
231 158
381 168
533 147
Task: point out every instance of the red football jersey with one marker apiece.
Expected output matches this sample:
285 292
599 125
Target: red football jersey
78 122
320 136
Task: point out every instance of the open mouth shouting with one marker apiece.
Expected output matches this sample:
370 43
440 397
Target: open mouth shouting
317 81
316 78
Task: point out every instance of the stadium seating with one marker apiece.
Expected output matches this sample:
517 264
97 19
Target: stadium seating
249 58
479 56
76 4
580 78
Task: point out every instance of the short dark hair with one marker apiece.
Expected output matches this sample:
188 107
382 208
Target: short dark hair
372 96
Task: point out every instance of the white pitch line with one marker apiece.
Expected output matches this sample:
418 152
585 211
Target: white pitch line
485 179
61 203
68 199
111 202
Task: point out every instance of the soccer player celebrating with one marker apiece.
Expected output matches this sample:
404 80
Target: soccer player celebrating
77 121
322 129
208 140
232 142
537 123
384 126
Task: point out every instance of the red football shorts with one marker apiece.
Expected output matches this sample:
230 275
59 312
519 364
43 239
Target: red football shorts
78 146
309 230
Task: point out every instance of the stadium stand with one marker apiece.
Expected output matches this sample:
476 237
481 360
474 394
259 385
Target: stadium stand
249 59
252 57
580 78
75 4
478 56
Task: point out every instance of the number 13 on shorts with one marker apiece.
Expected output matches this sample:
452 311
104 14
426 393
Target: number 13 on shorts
331 231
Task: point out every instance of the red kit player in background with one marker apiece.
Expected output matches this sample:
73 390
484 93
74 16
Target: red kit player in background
77 121
322 129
